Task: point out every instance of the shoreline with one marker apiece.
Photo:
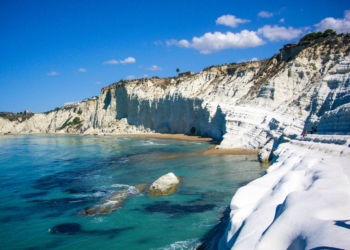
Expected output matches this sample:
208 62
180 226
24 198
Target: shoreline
179 137
231 151
183 137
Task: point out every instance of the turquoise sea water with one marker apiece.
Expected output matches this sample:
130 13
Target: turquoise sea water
47 180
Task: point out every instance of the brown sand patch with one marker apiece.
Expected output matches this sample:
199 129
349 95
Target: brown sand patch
232 151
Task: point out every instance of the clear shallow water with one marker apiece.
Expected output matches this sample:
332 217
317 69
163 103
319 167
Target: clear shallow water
46 180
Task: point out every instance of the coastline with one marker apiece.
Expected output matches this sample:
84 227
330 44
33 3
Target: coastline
180 137
231 151
183 137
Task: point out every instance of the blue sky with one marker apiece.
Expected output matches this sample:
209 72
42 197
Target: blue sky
60 51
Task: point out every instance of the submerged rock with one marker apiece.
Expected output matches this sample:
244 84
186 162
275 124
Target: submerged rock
66 228
114 202
165 185
75 228
177 209
141 187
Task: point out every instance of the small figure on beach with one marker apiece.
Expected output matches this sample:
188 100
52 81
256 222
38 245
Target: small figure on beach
304 134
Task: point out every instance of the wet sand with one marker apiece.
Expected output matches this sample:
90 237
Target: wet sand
232 151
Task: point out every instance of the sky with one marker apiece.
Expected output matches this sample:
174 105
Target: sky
59 51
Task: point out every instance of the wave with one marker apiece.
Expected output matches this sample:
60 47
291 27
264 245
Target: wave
182 245
120 186
99 194
151 143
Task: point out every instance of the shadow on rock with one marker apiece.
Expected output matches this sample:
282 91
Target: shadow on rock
211 239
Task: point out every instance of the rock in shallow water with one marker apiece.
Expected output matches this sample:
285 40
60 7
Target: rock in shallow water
74 228
177 209
66 228
114 202
165 185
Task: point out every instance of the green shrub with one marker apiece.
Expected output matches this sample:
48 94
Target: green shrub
315 35
65 124
76 121
80 112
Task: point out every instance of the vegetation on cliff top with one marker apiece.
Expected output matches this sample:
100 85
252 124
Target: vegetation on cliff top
21 116
316 35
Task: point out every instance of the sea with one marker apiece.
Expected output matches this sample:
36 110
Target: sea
48 182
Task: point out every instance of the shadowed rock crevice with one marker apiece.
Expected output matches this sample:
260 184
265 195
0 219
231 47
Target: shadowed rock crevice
211 239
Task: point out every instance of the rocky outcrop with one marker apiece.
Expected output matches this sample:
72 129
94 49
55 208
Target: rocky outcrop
303 202
245 105
115 201
165 185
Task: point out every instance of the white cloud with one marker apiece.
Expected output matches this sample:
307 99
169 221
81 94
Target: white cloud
251 60
130 77
125 61
265 14
338 25
53 73
128 60
155 67
82 70
113 61
216 41
170 42
281 20
97 82
277 33
183 43
230 20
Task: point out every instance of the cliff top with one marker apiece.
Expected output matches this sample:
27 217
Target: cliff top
313 46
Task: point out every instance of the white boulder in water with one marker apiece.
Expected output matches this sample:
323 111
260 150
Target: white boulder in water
165 185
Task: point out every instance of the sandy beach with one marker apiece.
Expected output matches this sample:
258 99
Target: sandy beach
212 151
182 137
233 151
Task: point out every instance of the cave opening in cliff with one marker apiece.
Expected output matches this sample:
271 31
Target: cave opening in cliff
193 130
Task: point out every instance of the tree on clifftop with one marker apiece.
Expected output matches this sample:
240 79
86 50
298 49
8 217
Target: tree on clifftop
315 35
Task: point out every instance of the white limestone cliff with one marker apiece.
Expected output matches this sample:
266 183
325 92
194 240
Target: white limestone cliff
303 202
244 105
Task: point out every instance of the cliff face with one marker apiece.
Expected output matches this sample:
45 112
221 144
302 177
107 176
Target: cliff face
247 105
